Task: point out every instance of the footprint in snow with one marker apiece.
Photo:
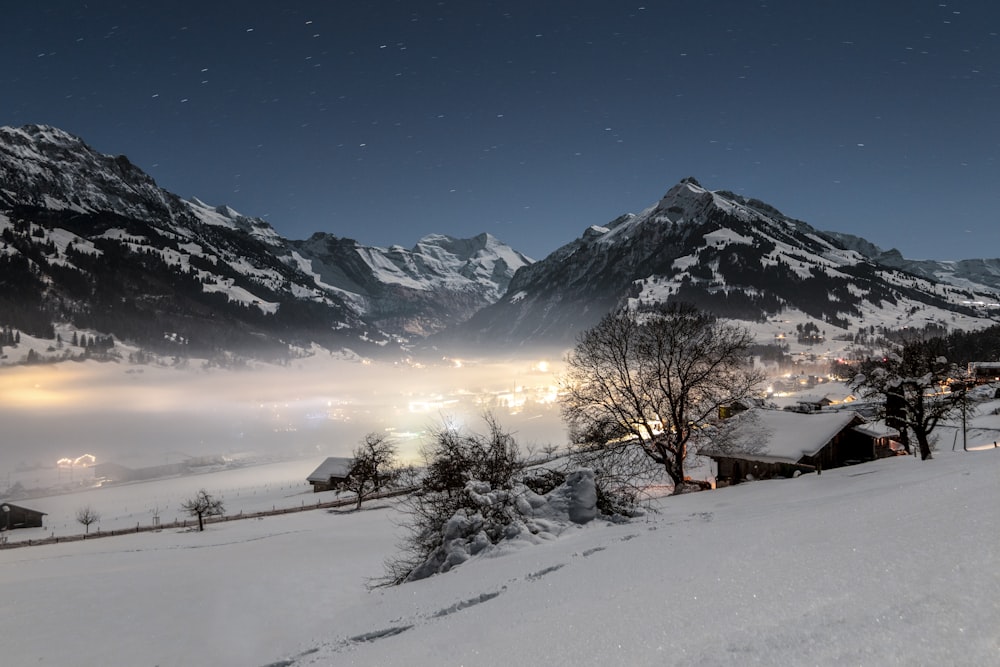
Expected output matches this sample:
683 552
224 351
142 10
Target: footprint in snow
541 573
465 604
379 634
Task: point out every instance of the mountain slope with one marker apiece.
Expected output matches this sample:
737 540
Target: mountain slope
439 282
91 240
736 257
889 562
972 273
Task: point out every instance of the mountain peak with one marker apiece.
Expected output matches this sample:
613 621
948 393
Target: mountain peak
45 167
733 256
223 279
42 134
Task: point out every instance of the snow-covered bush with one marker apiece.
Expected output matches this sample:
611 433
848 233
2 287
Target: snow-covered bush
454 459
491 519
476 496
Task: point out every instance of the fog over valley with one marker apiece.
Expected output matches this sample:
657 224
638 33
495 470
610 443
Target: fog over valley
139 415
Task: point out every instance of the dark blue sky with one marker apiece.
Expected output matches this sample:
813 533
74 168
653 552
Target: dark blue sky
387 120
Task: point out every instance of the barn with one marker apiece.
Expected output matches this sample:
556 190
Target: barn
15 516
330 474
783 442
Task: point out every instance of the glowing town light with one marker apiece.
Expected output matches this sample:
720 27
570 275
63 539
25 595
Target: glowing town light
82 461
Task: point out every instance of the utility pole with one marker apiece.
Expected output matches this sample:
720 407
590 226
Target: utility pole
965 406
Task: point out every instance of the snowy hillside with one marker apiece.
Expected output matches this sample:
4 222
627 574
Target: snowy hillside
891 562
91 240
49 168
736 257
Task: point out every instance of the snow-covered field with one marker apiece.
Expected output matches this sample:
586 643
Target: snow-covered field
247 490
891 562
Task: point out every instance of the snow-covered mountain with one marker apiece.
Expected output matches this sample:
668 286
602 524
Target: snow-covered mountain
971 273
46 168
439 282
738 258
91 240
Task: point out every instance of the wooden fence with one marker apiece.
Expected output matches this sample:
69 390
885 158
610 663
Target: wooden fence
6 543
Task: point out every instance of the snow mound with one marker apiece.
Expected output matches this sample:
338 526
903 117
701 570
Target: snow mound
510 518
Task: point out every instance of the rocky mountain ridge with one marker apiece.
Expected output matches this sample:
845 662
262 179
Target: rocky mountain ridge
91 240
738 258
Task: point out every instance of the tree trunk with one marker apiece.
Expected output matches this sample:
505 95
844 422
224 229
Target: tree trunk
675 471
925 446
201 523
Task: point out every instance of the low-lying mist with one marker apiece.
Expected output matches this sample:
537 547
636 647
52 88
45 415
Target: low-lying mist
138 415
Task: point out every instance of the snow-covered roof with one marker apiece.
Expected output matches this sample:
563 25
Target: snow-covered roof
984 364
793 435
877 429
333 466
12 506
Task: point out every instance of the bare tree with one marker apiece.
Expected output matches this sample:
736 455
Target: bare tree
406 476
371 466
455 458
909 379
87 515
653 380
202 505
550 450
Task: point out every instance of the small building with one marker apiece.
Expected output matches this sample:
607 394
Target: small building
885 439
982 372
330 474
14 516
786 442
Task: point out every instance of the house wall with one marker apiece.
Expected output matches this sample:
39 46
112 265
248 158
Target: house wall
20 517
733 470
848 445
331 484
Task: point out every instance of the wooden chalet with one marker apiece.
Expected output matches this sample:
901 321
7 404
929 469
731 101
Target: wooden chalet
14 516
982 372
785 442
330 474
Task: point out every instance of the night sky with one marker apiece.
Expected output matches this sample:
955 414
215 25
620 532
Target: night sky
385 121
